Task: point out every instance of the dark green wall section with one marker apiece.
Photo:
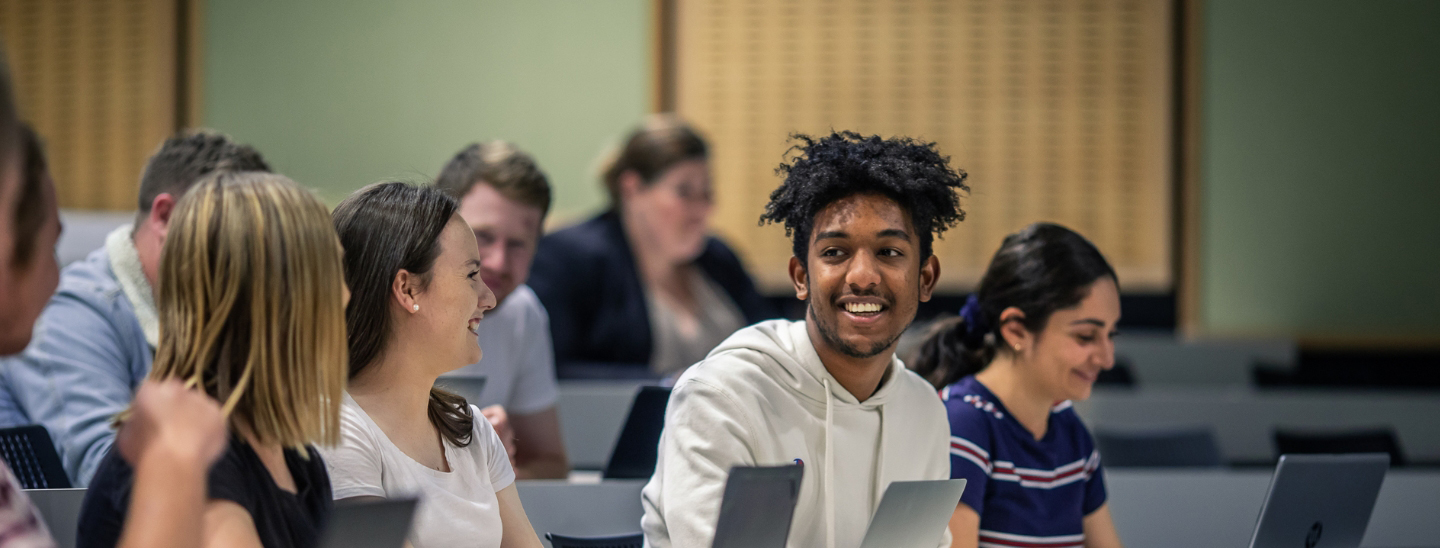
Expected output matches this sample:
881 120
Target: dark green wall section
1321 167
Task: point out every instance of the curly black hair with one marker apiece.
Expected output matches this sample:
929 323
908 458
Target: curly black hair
824 170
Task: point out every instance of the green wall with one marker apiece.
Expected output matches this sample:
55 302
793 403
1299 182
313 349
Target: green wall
1321 167
341 93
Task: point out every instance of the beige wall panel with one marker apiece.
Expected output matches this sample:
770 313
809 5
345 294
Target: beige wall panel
1059 110
97 79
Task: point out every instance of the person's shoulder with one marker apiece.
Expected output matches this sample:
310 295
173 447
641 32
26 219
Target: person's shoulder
968 406
1064 416
483 436
91 280
591 234
356 428
524 305
716 248
721 379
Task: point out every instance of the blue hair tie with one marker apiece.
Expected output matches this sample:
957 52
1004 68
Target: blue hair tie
975 326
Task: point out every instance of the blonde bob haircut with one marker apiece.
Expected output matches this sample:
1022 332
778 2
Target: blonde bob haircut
251 306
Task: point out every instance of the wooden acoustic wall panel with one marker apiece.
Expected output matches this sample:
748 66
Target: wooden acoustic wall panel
1060 110
97 80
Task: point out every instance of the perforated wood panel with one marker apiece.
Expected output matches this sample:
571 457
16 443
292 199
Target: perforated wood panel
1060 110
97 78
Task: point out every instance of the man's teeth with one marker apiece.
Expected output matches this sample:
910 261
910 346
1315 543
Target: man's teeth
861 308
474 324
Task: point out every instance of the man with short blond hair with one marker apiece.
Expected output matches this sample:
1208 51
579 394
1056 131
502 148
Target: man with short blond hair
504 197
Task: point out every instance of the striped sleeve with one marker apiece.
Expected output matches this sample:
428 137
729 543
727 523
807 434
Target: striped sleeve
970 455
1095 494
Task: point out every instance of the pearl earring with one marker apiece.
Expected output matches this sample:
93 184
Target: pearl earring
415 308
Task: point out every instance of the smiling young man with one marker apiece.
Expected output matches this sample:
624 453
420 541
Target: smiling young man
504 198
828 391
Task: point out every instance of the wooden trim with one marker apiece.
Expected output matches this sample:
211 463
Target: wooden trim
1190 14
662 73
190 64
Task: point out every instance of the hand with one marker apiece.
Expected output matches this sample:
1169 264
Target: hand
501 421
168 418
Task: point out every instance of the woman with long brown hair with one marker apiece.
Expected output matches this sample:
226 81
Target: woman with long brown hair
414 269
251 308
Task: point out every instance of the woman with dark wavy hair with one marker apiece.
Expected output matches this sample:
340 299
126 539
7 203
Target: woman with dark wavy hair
1032 338
416 301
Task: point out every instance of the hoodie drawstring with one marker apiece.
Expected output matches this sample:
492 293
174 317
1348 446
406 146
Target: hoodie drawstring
829 467
878 490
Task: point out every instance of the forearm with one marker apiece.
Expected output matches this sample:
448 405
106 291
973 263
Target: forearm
541 466
167 503
539 449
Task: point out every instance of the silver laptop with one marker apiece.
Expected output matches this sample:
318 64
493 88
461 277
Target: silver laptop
1320 501
757 507
913 514
369 524
60 508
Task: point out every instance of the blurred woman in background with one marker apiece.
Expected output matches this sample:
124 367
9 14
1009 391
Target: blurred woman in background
414 267
1032 338
643 286
251 306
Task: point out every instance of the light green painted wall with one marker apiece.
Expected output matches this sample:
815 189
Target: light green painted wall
1321 167
341 93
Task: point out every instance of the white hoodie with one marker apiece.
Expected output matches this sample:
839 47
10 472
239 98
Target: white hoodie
762 398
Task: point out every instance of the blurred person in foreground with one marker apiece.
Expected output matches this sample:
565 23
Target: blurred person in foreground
1032 339
252 311
504 197
643 290
826 391
96 338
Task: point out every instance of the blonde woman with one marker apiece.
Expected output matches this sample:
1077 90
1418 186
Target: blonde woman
414 268
251 308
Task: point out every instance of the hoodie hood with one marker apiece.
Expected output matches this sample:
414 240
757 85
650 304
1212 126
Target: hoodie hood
791 362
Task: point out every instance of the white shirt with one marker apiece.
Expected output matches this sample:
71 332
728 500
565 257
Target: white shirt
457 508
518 359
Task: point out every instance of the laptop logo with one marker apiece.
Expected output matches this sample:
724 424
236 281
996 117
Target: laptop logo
1313 538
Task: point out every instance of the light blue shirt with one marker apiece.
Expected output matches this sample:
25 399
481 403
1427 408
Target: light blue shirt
87 357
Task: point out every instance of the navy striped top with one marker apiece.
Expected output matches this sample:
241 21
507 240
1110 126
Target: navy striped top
1029 493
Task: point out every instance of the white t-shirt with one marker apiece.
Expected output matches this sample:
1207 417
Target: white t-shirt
518 361
457 508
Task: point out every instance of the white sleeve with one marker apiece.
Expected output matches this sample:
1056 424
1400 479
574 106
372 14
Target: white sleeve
355 465
706 433
497 461
535 385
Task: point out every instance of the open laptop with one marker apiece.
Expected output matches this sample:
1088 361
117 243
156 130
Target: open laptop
638 447
913 513
757 507
1320 501
60 508
369 524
